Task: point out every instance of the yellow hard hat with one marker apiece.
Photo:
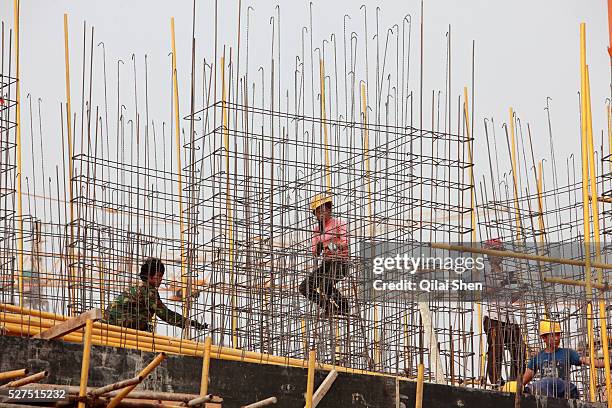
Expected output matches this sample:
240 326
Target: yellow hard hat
548 326
319 200
510 386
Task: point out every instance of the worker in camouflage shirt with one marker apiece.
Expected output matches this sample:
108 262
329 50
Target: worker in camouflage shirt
135 307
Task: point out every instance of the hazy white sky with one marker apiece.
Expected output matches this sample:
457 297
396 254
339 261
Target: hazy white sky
525 51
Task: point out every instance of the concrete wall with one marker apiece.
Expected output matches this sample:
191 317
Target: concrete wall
241 383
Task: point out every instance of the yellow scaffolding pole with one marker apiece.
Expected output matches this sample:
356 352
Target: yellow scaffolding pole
515 176
366 153
336 332
228 202
470 162
205 366
143 373
596 234
18 145
519 255
304 336
177 131
473 224
541 225
573 282
324 124
15 320
72 310
406 344
85 362
418 403
585 210
609 120
312 359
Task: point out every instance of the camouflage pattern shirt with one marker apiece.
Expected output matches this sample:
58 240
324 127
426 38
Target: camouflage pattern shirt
135 308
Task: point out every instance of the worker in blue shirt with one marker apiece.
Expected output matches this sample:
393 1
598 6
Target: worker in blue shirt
553 365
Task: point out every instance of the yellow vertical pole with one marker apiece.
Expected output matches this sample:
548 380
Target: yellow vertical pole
473 224
327 160
304 338
418 403
471 161
609 118
312 357
541 225
377 349
585 210
515 176
205 366
606 351
101 281
596 234
406 344
228 202
72 310
336 329
177 131
366 152
324 124
18 146
85 362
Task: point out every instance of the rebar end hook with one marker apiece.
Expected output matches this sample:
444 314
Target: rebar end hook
548 98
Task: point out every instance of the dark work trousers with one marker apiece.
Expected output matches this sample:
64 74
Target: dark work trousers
503 336
320 285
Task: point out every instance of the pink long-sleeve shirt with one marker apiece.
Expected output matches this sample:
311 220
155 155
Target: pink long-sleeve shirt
334 231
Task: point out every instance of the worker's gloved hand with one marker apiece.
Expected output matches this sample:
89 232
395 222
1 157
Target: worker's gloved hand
319 247
332 247
199 326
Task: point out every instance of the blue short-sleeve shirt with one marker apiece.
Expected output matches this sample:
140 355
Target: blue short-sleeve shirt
555 365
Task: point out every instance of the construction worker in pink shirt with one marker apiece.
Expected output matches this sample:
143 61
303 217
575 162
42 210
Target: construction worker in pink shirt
329 244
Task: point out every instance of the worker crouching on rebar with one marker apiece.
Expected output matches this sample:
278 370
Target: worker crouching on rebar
553 365
135 307
330 244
